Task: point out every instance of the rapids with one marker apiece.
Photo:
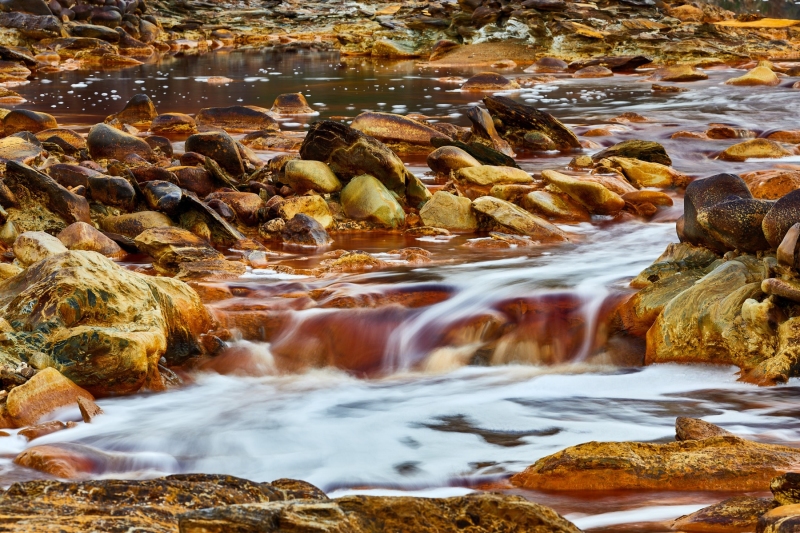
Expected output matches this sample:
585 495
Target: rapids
401 411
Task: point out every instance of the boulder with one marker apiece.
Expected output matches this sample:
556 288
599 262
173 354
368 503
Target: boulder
105 142
761 148
649 151
643 174
772 184
594 71
478 513
491 175
761 75
445 210
94 31
162 196
303 176
784 214
34 7
366 198
555 206
111 190
484 131
169 246
139 112
516 120
26 120
83 236
44 393
19 150
678 73
220 147
72 175
195 179
713 464
703 194
595 197
450 159
292 104
246 205
303 230
514 219
696 429
173 124
786 488
783 519
740 513
398 131
132 224
236 119
488 82
548 65
101 325
312 205
737 223
33 246
70 141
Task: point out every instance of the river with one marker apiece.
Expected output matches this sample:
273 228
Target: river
401 409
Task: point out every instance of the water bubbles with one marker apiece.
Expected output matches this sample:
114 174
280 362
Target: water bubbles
139 82
79 85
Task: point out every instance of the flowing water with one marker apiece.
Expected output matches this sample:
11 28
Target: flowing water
413 397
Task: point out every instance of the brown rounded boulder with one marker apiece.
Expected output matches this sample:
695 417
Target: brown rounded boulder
27 120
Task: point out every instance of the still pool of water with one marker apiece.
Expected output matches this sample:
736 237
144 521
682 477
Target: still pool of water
424 422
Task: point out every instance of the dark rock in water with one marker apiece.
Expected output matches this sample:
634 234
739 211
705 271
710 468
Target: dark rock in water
545 5
20 120
70 141
222 208
176 124
696 429
703 194
483 153
614 63
786 488
737 223
34 7
483 128
72 175
32 26
395 129
105 142
110 19
112 190
305 231
783 215
160 144
95 32
351 153
489 81
292 104
69 206
195 179
220 147
649 151
548 65
17 55
162 196
138 112
476 513
442 48
740 513
246 205
132 224
518 119
222 232
450 159
153 173
236 118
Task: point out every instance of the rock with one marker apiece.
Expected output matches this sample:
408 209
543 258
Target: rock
132 224
723 131
555 206
538 142
642 150
761 148
366 198
489 81
34 7
292 104
483 130
111 190
67 205
395 130
716 463
789 290
89 410
25 120
786 488
44 429
44 393
33 246
678 73
696 429
394 50
173 124
548 65
737 223
160 145
19 150
236 119
704 194
595 71
658 88
761 75
790 136
305 231
516 220
70 141
220 147
195 179
516 120
246 205
491 175
350 153
139 112
740 513
83 236
450 212
594 196
105 142
478 513
787 253
32 26
784 519
210 269
772 184
195 211
642 174
162 196
450 159
303 176
783 215
312 205
94 31
169 246
615 63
